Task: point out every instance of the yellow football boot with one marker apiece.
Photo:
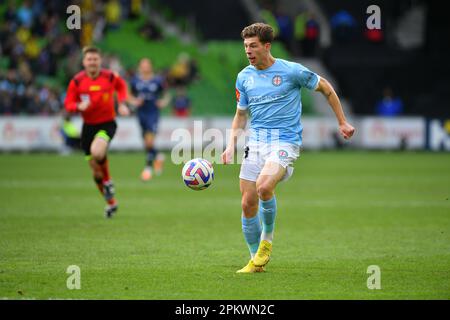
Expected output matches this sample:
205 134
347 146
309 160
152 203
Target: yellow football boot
262 256
250 268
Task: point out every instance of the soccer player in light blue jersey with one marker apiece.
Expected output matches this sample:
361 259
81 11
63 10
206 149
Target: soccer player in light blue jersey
269 90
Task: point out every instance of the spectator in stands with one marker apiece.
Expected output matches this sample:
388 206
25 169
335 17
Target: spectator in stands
87 33
183 71
286 29
299 31
8 88
35 50
38 7
25 14
113 13
150 31
375 36
389 105
267 14
10 13
312 35
32 48
343 26
181 103
135 8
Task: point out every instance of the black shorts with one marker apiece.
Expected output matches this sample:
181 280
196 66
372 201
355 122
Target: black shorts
104 130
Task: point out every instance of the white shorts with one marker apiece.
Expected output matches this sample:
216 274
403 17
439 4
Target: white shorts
257 154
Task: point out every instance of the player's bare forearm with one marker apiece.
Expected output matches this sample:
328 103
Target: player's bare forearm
328 91
123 109
333 100
237 126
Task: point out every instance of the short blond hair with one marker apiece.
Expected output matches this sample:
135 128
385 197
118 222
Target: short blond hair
91 49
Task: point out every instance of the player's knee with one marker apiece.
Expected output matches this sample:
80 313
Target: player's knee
249 207
149 147
97 154
149 140
265 191
98 157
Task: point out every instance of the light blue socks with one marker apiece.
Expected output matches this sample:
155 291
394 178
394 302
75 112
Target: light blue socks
268 212
251 227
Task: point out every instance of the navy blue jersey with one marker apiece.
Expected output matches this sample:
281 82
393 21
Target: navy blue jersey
148 90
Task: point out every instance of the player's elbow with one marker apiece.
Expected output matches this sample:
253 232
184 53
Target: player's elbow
323 85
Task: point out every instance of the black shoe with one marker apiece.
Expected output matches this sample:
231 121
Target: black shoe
108 190
110 210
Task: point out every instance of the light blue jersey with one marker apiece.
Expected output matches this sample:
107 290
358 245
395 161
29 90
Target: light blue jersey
272 97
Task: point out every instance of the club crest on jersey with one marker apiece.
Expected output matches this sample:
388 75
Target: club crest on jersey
282 154
276 80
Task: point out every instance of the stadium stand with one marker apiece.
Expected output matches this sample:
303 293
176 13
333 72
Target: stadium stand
364 68
40 55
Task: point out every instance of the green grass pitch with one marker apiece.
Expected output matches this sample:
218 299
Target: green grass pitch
340 213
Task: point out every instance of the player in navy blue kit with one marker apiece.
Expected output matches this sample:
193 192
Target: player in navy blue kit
149 96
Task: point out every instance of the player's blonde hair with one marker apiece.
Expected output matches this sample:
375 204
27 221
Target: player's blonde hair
91 49
263 31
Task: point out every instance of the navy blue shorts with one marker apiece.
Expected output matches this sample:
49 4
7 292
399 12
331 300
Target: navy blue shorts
148 123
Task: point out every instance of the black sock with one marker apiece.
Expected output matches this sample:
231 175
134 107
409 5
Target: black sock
151 155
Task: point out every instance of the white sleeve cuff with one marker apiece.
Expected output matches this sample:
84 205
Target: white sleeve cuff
241 107
318 82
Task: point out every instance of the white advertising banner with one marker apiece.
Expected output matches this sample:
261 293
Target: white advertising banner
43 133
30 133
392 133
319 133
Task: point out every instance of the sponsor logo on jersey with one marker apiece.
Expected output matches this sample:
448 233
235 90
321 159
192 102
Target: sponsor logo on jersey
95 88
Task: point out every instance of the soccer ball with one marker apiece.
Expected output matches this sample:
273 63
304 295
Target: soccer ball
198 174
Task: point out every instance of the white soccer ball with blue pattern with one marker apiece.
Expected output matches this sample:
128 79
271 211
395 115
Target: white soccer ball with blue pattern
198 174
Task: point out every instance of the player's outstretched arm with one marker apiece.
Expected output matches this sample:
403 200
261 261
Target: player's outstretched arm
345 128
237 127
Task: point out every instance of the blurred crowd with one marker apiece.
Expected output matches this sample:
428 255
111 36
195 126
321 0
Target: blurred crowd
299 31
31 41
39 56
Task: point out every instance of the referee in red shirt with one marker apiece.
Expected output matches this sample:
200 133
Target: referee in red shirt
91 92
